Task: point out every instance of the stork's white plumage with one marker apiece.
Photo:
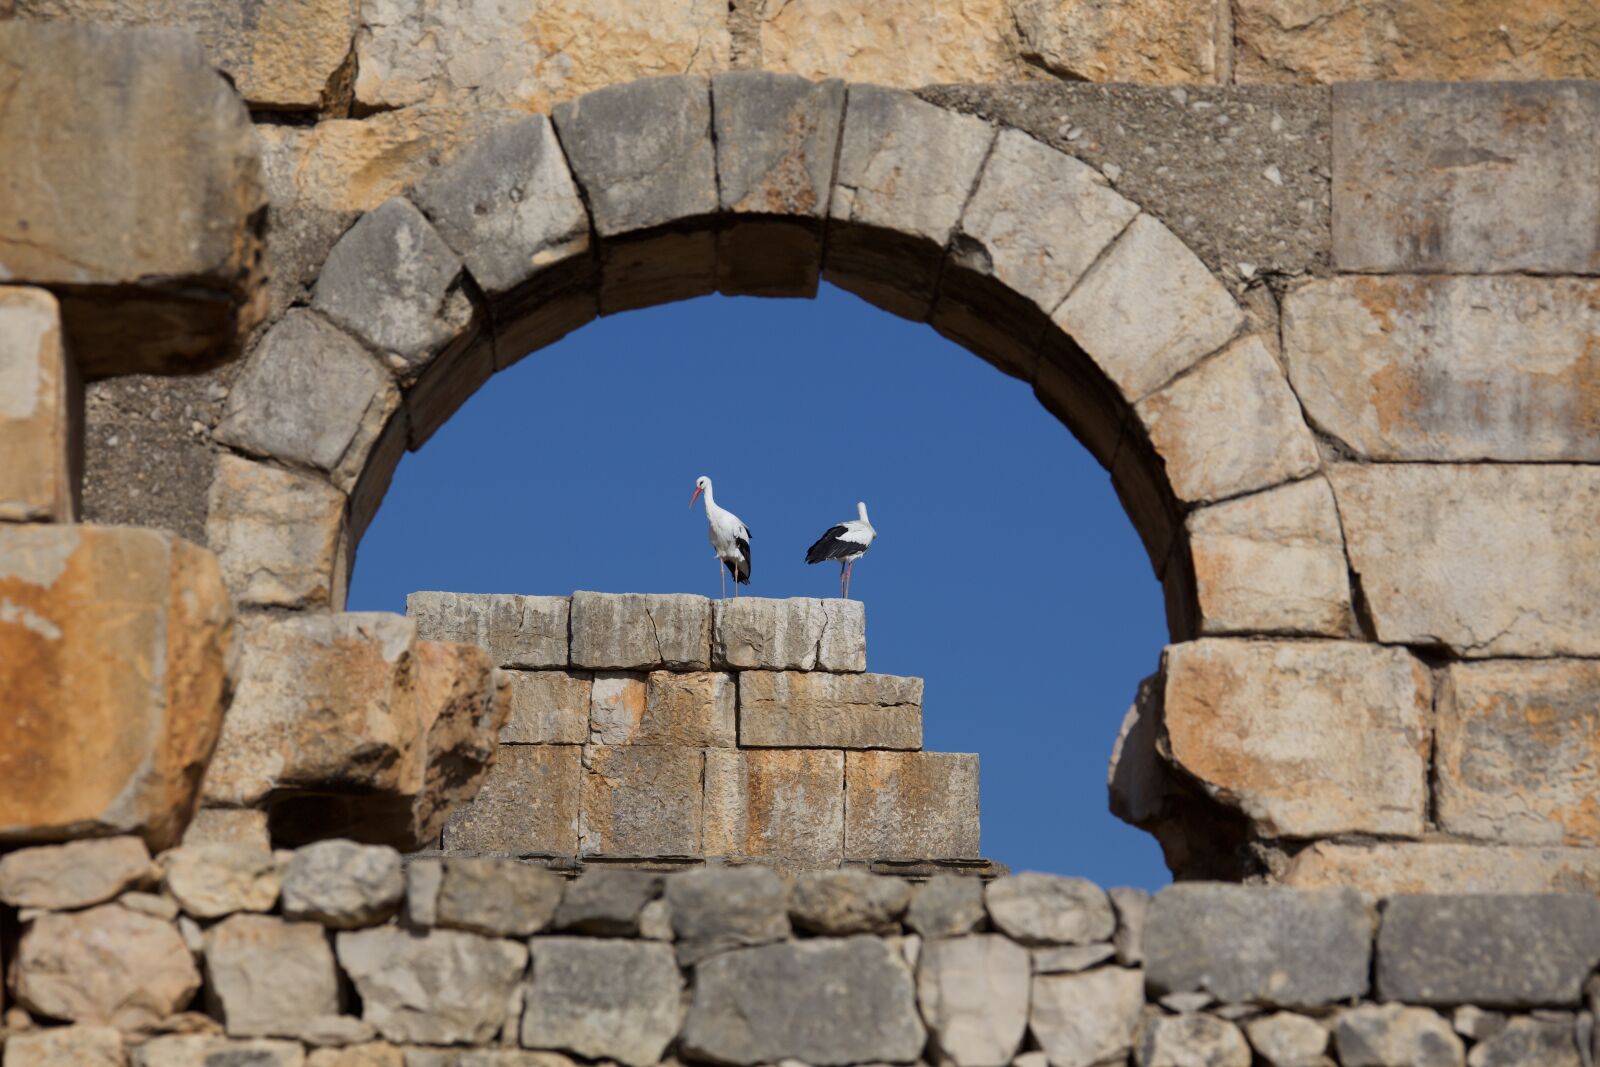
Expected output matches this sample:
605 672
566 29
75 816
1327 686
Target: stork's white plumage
846 542
729 536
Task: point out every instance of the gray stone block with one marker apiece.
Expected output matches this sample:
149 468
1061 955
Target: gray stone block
637 631
1070 959
793 634
946 905
606 902
614 1000
439 987
1132 907
528 804
1530 1043
848 902
495 897
311 395
342 884
1088 1018
1049 909
1277 947
641 800
1376 1035
527 632
1492 951
1466 178
1285 1039
974 997
301 982
393 282
798 709
776 138
1180 1040
826 1002
718 909
548 708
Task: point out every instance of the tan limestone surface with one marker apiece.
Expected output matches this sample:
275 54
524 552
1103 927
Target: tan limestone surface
132 630
787 804
810 709
527 804
40 406
279 535
902 43
919 805
641 800
1144 41
1388 868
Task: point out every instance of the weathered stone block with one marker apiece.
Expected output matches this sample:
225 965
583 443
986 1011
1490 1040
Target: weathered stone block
528 804
1133 908
665 708
202 1050
394 283
1375 1035
946 905
1147 42
1194 423
1245 718
1442 367
1533 1042
905 170
1284 1039
229 826
130 629
797 709
637 631
782 803
159 146
342 884
279 536
1272 563
213 880
900 43
1389 869
849 901
616 707
66 1046
41 411
494 897
1466 178
640 800
270 978
548 707
526 632
107 966
74 875
910 805
1070 959
1278 947
1488 560
607 902
825 1001
1515 757
973 992
462 705
603 999
1048 909
310 395
439 987
1492 951
1089 1018
776 136
793 634
1148 310
1179 1040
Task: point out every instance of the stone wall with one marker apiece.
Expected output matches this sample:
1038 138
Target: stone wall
343 955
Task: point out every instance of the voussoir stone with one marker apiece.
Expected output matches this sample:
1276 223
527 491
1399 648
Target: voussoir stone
39 406
786 803
525 632
1494 951
811 709
1086 1018
777 135
847 901
1284 1039
212 880
973 992
439 987
66 1046
74 875
603 999
717 909
826 1001
1245 718
793 634
107 966
342 884
1191 1038
497 897
311 395
1381 1035
270 978
279 535
1432 573
607 902
1530 1043
1049 909
946 905
1262 945
636 631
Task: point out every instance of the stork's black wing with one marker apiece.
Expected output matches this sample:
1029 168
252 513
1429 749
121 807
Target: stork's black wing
741 570
829 546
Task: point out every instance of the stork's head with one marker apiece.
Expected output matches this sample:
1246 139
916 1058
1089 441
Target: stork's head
701 484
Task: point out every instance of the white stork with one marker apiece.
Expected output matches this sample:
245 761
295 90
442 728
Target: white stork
729 536
846 542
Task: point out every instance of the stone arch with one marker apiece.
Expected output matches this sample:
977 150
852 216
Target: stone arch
753 183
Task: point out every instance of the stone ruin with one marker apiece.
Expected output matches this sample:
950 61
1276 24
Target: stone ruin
1334 343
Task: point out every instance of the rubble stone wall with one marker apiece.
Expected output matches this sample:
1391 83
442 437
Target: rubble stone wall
345 955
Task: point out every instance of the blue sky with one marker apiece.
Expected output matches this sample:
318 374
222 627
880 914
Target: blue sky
1006 573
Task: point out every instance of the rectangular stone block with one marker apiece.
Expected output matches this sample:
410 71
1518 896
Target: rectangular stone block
1249 720
548 708
786 804
1449 368
1466 178
1517 755
795 709
696 710
641 632
1489 560
640 800
114 656
1391 868
616 707
528 804
279 536
910 805
794 634
41 411
525 632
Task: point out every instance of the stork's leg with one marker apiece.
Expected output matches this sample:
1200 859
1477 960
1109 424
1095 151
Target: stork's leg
841 578
722 576
848 567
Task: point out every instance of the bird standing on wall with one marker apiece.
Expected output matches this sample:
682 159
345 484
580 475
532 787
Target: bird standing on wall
846 542
729 536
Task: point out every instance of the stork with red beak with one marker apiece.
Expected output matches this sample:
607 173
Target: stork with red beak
729 537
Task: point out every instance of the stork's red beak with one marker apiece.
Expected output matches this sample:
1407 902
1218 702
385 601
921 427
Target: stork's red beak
695 497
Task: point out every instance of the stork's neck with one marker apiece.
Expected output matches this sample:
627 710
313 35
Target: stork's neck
861 512
711 502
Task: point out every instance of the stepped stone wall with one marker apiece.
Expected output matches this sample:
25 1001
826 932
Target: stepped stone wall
346 955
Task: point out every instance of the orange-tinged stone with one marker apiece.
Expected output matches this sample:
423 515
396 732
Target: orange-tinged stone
910 805
784 803
39 405
114 659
